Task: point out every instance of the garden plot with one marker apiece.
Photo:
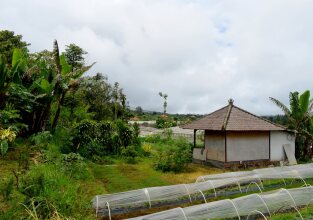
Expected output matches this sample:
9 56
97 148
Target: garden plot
264 171
205 187
261 205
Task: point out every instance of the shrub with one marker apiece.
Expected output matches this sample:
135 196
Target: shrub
129 153
91 149
124 135
86 132
91 138
164 121
174 159
71 158
147 149
63 138
41 139
153 138
6 136
4 146
73 164
9 118
106 130
104 138
136 133
167 134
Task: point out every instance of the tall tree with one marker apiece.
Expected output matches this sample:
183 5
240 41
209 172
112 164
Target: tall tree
164 96
139 110
97 93
105 101
299 119
75 56
9 41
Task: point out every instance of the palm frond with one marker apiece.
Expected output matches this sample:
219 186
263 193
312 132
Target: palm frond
310 108
304 102
82 70
280 105
294 105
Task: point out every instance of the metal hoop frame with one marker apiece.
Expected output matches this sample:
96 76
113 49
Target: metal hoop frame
256 211
255 184
294 202
268 210
148 195
234 207
202 195
188 192
182 210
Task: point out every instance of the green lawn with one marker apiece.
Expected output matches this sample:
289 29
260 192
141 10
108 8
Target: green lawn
122 177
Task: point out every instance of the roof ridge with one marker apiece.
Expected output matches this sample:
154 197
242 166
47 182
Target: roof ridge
226 119
216 111
278 125
183 126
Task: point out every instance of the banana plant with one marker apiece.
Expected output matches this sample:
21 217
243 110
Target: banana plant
43 87
11 75
66 78
299 116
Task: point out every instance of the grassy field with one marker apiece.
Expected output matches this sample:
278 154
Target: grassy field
98 179
121 177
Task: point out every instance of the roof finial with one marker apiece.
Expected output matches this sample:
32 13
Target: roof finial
231 101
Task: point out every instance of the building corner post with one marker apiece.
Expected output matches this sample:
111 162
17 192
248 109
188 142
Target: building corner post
194 138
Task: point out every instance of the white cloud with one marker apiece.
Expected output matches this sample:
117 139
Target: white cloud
200 53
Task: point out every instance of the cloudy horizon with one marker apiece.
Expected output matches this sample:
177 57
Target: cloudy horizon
200 53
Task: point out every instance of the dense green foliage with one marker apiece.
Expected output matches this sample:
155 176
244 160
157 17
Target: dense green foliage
174 159
278 119
41 91
174 154
103 138
9 41
164 121
299 119
58 125
53 119
75 56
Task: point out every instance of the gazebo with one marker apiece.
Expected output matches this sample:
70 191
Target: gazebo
233 135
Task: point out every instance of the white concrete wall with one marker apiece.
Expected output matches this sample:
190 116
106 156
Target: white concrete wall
278 139
244 146
215 145
199 154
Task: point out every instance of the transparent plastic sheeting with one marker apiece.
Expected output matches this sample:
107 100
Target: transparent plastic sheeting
104 204
263 171
263 203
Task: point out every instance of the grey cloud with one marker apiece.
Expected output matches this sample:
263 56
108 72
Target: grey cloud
201 53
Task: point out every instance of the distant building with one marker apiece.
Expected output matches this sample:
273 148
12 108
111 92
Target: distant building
235 136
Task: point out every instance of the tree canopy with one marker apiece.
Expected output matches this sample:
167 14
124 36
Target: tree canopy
9 41
75 56
38 90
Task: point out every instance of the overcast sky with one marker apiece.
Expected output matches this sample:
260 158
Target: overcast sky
201 53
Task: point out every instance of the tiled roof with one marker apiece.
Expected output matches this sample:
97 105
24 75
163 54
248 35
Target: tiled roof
232 118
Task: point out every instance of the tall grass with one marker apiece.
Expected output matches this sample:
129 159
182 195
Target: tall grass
47 190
